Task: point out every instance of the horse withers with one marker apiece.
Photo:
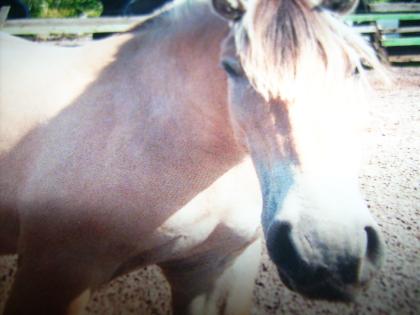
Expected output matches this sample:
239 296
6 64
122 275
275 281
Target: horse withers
139 149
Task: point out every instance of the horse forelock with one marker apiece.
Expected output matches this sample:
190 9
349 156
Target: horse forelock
290 47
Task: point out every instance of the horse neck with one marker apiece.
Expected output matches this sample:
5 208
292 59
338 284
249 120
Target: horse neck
184 95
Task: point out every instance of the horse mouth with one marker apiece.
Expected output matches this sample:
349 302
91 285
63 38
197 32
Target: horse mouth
327 289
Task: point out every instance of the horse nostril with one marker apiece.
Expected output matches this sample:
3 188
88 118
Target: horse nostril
280 245
374 246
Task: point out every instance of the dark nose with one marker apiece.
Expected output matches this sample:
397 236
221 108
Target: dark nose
324 269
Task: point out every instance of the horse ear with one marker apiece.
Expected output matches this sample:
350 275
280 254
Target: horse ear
341 7
229 9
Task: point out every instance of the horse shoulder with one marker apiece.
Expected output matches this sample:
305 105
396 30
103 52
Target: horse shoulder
39 80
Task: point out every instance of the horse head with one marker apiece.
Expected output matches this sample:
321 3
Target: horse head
293 94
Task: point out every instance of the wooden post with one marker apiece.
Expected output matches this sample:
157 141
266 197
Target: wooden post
4 12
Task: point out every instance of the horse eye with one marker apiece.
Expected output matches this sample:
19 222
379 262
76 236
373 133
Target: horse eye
232 68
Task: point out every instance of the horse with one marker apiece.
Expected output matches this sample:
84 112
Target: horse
173 143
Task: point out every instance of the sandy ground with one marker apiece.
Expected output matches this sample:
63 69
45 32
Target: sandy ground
390 181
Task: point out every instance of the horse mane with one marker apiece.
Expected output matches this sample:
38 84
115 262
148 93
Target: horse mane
171 16
289 46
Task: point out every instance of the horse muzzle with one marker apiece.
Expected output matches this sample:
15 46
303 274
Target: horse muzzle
332 266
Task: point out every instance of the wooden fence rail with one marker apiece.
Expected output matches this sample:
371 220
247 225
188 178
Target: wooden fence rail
76 26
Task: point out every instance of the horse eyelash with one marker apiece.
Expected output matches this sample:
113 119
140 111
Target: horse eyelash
231 69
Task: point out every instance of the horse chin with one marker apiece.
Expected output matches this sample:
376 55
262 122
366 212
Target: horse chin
323 290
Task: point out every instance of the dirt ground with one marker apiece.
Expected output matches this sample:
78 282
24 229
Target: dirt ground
390 181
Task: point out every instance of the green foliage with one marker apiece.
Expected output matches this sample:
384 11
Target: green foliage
64 8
